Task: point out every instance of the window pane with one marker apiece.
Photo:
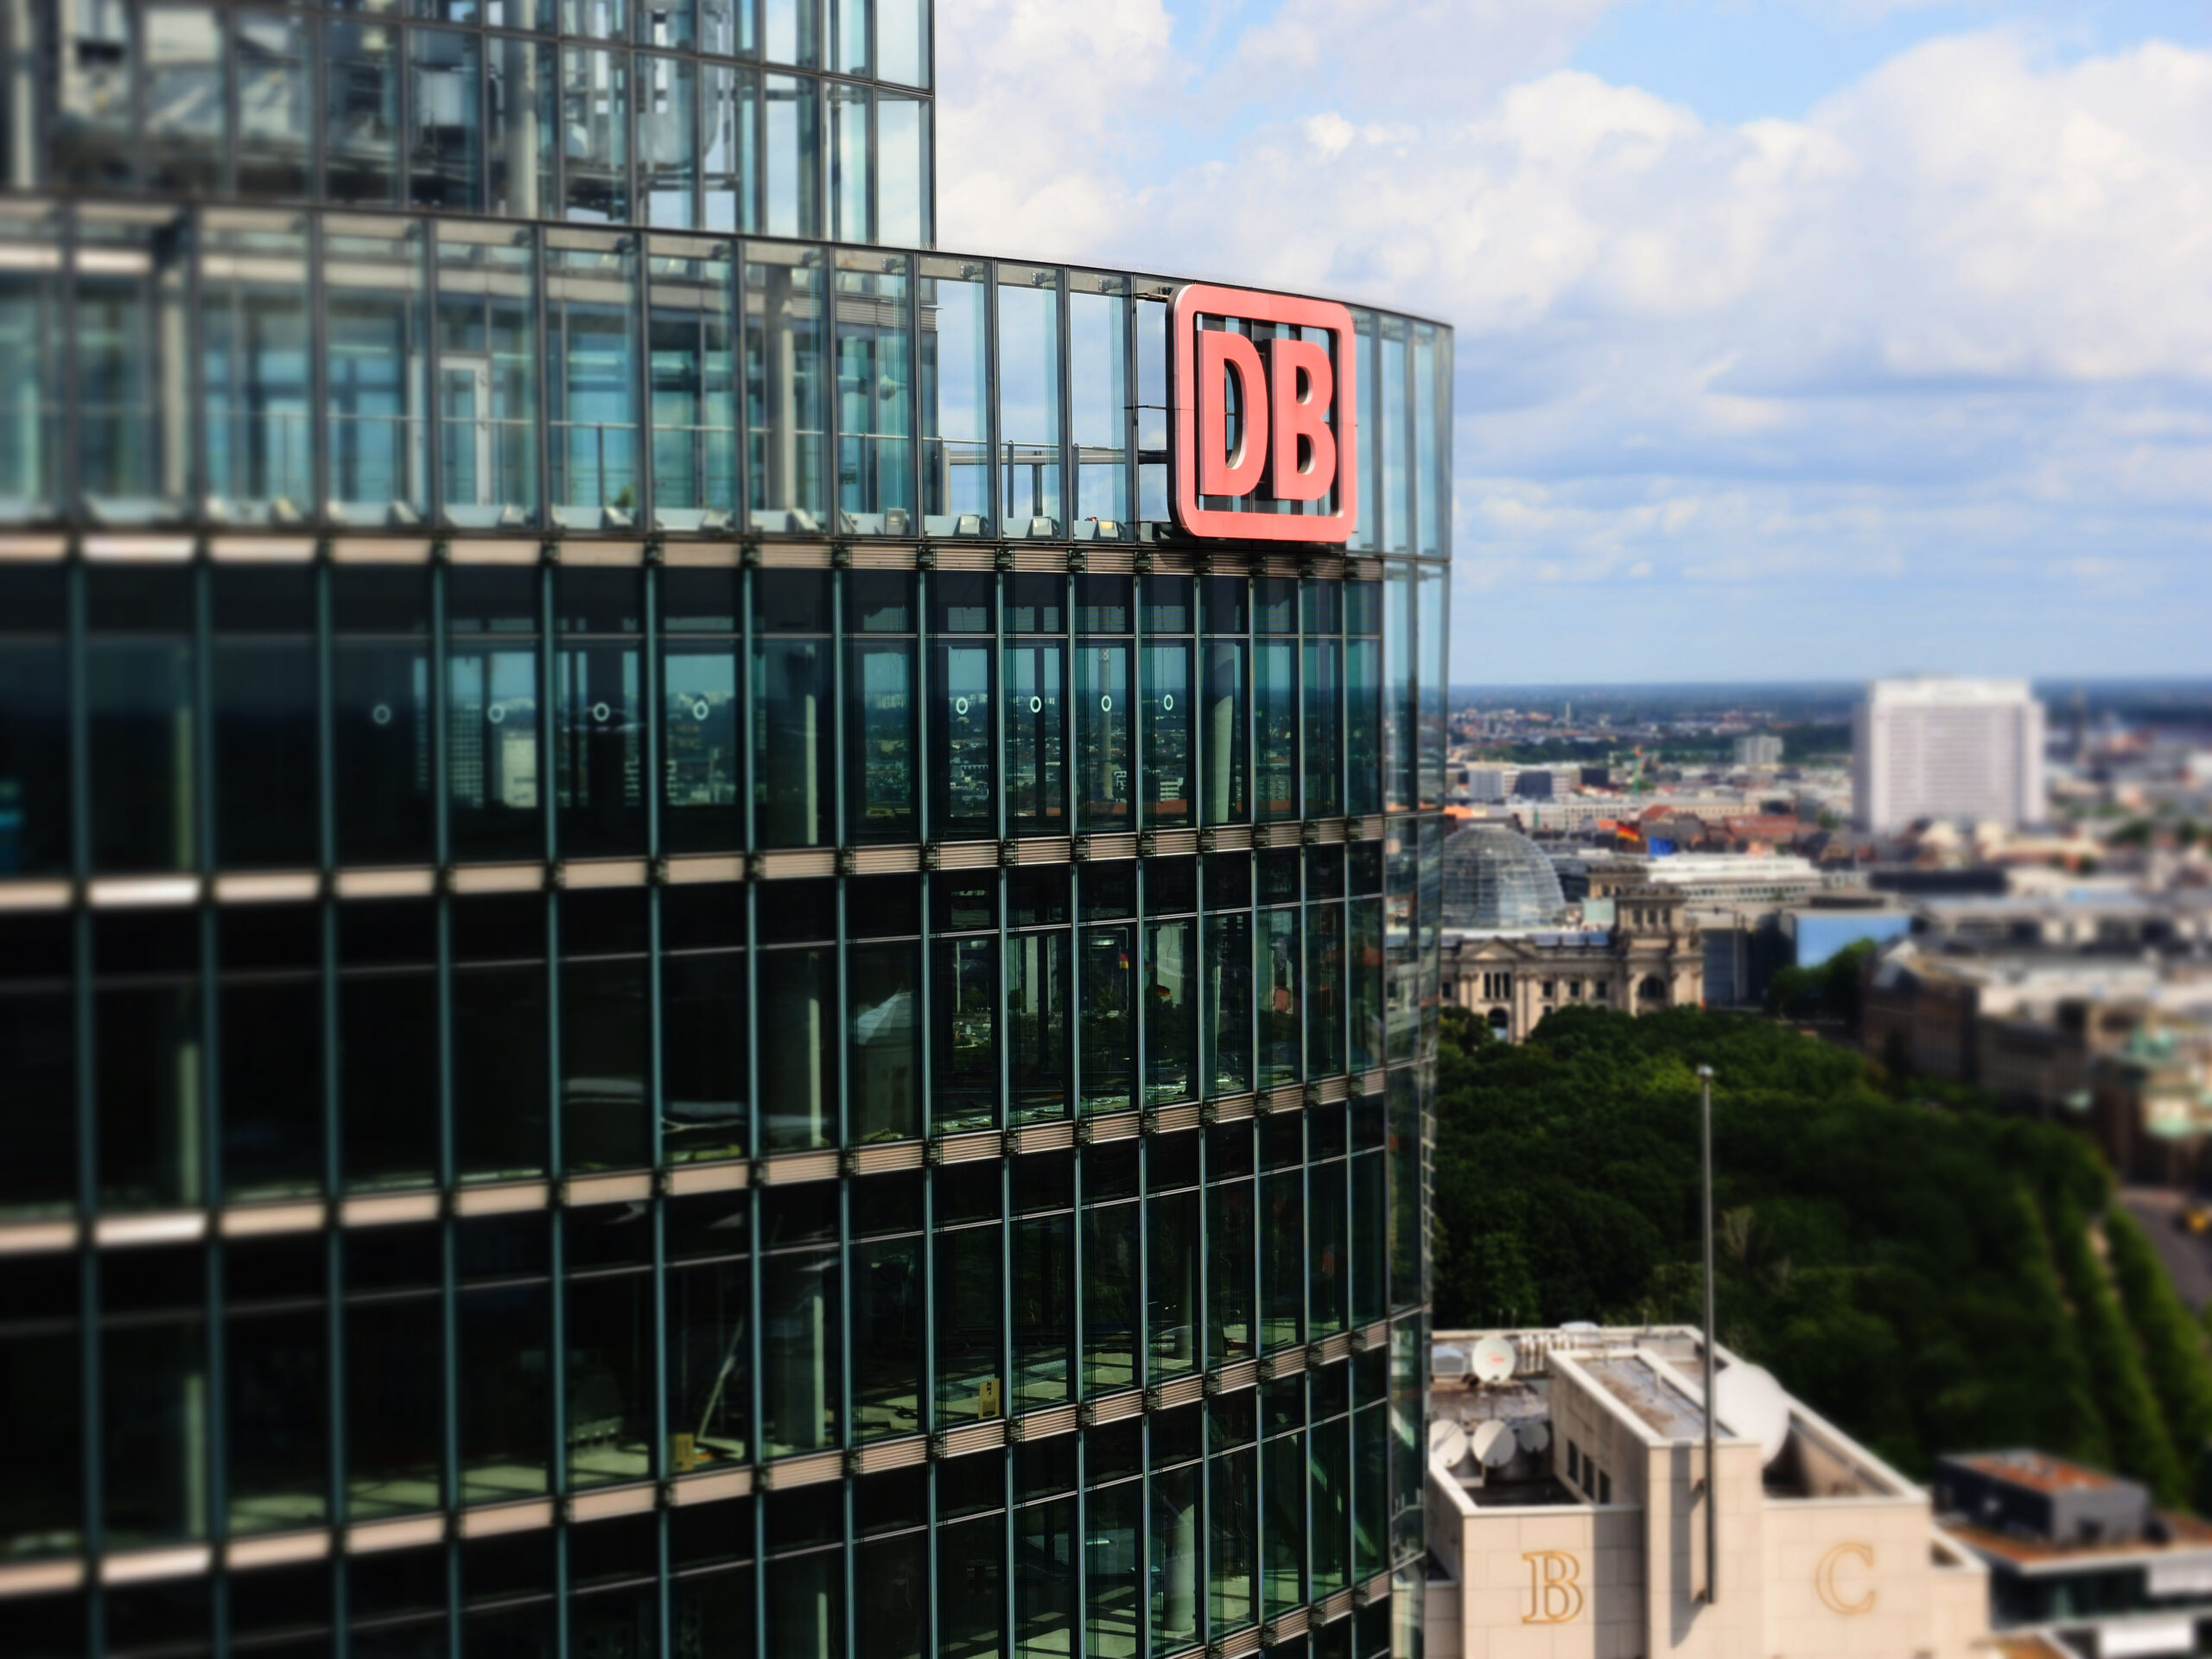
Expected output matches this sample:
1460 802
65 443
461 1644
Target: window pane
1037 997
1426 471
1231 1267
880 783
883 984
492 750
253 354
184 98
591 318
887 1292
1171 1012
731 161
902 171
595 125
848 158
963 801
1325 991
499 1060
1035 778
1173 1311
506 1430
265 718
603 1033
902 41
1044 1311
393 1355
488 376
792 32
793 171
38 1055
1279 998
798 993
799 1381
1224 736
1283 1530
1167 725
94 142
1274 719
376 339
1389 430
694 386
793 751
522 113
1434 620
703 1018
1103 757
875 391
1108 1031
380 720
361 113
849 19
1229 1002
445 138
1322 753
30 341
389 1066
1029 399
1114 1524
1110 1310
610 1337
964 1044
1098 383
969 1323
710 1359
599 761
138 674
785 390
668 140
1398 723
132 445
956 486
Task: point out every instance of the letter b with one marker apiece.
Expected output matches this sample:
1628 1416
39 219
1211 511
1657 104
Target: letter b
1300 412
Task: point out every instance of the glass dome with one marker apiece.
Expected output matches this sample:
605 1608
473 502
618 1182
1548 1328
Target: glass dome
1495 877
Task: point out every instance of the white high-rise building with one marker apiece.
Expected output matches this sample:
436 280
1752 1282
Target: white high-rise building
1945 749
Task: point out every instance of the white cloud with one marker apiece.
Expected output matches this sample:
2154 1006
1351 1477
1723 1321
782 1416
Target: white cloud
1955 327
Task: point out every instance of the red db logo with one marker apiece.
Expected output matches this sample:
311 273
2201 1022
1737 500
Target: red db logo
1295 439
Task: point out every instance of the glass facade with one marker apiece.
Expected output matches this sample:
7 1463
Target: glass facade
672 982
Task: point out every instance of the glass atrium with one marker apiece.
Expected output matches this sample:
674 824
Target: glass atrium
672 980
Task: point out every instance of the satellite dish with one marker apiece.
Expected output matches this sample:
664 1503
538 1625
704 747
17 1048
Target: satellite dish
1535 1434
1491 1360
1447 1442
1754 1406
1494 1443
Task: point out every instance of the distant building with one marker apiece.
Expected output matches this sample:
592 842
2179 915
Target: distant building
1950 749
1491 783
1597 777
1645 957
2079 1557
1756 749
1566 1510
1533 785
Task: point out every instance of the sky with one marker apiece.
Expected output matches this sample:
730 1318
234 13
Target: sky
1796 338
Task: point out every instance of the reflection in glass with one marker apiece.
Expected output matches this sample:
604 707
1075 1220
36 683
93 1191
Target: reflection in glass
1325 990
1282 1259
1113 1623
730 164
388 1059
902 169
792 175
138 670
445 137
609 1337
1110 1308
694 357
149 1079
1103 708
1037 1023
1283 1530
595 131
505 1408
1224 734
884 1094
154 1404
1229 1272
668 140
375 419
1044 1310
1108 1059
603 1031
1228 1013
798 1351
1172 1309
876 458
1171 1012
95 95
786 395
902 41
709 1389
962 797
1324 776
1098 385
360 150
848 158
798 993
1274 721
879 740
521 94
964 1051
791 751
253 353
488 376
1279 999
598 721
1036 786
955 431
886 1277
185 100
1233 1552
969 1323
1166 722
264 714
1029 400
703 1003
492 756
591 317
1175 1557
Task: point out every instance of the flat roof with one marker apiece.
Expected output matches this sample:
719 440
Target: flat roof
2039 1471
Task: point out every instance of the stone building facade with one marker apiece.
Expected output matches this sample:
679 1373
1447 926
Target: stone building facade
1650 958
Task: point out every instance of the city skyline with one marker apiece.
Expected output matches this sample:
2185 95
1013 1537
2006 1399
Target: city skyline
1839 338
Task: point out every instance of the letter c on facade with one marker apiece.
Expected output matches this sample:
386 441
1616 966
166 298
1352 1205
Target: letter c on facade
1833 1595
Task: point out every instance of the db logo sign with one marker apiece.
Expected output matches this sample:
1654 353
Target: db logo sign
1288 434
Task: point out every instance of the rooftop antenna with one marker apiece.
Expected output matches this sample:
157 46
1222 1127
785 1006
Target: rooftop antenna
1711 1486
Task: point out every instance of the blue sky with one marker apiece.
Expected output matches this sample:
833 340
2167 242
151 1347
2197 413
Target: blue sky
1795 337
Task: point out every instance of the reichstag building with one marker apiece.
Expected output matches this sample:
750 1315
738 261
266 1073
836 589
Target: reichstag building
687 968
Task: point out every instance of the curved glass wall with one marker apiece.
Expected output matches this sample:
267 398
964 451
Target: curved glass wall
1495 878
671 980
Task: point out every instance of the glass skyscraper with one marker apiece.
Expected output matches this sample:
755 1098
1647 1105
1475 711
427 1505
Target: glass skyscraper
674 980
